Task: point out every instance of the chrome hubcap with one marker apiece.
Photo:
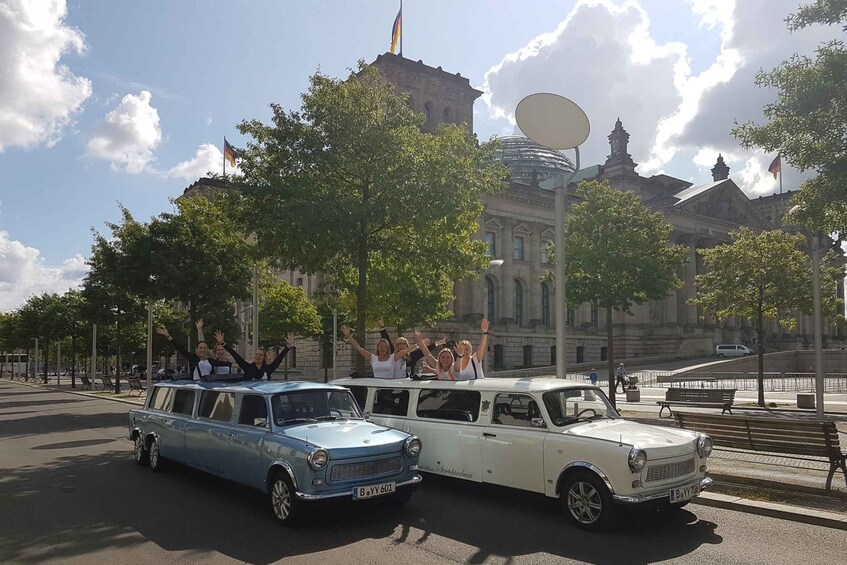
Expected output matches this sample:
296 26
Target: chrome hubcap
584 503
139 448
154 453
281 499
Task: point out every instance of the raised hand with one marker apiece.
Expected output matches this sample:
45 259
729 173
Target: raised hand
345 330
163 332
441 341
484 325
219 336
290 341
417 334
199 324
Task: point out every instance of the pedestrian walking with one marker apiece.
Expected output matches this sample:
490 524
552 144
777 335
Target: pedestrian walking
592 376
620 378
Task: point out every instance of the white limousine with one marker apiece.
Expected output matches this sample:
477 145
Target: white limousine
550 436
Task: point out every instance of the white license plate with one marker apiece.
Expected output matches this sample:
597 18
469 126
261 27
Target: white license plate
681 494
360 493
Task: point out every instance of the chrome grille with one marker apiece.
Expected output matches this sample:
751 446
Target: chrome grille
670 470
366 469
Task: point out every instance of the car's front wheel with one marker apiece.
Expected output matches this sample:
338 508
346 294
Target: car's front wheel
284 503
139 451
156 462
588 502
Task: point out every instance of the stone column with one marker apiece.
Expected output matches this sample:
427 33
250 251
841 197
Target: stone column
690 291
507 273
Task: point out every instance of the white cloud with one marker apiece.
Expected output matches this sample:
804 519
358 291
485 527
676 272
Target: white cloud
208 158
23 273
128 134
604 57
38 95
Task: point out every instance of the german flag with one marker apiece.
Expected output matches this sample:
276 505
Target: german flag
775 167
229 154
396 30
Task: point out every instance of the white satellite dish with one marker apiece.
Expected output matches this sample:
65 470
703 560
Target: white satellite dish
552 121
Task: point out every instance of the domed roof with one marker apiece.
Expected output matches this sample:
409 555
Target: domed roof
530 161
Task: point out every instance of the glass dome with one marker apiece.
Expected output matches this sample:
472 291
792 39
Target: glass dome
530 161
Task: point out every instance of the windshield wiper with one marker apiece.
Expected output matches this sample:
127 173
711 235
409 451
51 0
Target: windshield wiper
325 418
298 420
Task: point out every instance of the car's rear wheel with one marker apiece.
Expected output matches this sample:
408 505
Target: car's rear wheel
156 461
284 503
588 502
139 451
721 355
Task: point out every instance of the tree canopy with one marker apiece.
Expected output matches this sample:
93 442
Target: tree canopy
763 275
283 309
807 124
617 254
351 187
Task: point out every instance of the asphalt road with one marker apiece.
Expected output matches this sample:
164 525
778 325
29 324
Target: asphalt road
70 493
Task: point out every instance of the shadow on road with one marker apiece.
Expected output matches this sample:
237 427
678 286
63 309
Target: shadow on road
58 423
34 403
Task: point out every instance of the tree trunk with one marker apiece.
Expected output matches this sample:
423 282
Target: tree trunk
46 360
73 361
118 358
610 355
761 378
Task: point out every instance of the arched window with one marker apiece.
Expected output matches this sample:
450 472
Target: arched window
489 292
447 116
428 114
527 356
518 303
545 304
498 356
569 316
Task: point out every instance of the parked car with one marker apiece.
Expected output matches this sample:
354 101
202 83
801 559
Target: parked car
554 437
733 350
298 442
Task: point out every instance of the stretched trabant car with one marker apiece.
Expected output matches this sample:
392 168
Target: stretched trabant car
555 437
298 442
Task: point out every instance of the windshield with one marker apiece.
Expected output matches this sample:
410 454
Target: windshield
314 406
578 405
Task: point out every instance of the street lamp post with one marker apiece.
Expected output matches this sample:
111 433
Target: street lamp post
558 123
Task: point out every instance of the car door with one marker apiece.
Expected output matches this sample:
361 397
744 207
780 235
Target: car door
207 438
513 449
246 441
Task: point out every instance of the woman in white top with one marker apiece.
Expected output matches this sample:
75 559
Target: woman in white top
445 365
383 361
470 363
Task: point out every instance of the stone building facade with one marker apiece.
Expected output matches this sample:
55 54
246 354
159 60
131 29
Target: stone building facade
518 222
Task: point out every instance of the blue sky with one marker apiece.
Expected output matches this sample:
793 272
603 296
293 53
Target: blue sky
124 92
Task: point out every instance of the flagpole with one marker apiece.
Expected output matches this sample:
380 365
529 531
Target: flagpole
780 174
401 28
224 154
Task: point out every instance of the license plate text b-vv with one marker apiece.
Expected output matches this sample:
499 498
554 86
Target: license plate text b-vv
371 491
687 492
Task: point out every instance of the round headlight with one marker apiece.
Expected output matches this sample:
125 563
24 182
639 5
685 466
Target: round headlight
413 446
704 446
637 459
318 459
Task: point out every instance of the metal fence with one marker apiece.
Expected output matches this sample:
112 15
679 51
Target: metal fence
772 382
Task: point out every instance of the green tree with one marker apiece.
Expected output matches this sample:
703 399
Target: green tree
351 187
807 124
763 275
617 255
283 309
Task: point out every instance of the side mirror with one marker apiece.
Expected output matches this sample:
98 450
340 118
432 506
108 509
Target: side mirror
260 422
367 415
538 423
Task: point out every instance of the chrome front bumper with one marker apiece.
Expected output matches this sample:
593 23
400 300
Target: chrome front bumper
705 483
349 492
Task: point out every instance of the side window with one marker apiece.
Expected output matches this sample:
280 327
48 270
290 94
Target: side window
515 410
253 408
161 399
184 402
360 393
216 406
458 405
391 402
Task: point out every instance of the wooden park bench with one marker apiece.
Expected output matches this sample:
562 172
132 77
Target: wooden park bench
86 382
107 383
135 385
702 397
795 437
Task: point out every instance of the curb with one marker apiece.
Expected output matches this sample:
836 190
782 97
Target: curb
77 392
773 510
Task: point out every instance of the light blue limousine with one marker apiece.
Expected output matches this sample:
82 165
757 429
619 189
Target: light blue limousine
296 441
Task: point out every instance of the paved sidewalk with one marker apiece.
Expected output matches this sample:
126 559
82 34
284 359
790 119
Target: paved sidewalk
770 484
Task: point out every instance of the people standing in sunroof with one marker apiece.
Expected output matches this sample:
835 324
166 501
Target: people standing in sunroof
199 364
258 368
220 353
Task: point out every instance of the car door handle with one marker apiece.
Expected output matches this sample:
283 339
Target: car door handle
486 434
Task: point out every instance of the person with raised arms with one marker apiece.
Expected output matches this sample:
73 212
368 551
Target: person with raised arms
405 367
445 365
220 353
470 362
199 365
383 361
258 369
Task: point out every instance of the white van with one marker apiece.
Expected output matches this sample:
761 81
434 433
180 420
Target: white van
733 350
550 436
